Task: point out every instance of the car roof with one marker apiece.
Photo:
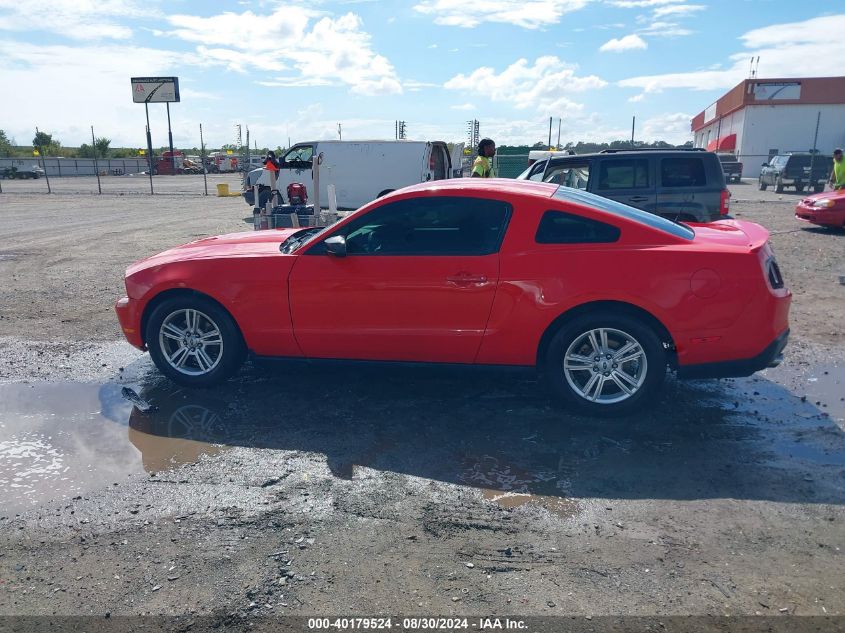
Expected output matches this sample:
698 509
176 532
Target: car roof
499 185
629 152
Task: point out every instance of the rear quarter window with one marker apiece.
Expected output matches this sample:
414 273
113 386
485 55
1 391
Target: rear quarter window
683 171
558 227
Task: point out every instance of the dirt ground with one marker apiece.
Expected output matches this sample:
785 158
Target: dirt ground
297 491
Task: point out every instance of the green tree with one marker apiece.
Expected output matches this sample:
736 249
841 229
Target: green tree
6 144
42 139
101 146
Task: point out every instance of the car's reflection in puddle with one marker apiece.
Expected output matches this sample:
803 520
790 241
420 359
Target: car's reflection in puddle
750 438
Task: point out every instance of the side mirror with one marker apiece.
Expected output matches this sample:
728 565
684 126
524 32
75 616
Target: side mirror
336 246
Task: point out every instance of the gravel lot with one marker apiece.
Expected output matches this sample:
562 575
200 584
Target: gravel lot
303 491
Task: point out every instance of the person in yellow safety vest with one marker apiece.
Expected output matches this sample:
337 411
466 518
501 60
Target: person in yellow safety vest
837 176
482 167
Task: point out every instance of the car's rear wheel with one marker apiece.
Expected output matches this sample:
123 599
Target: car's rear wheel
194 342
799 188
605 364
761 185
779 186
818 188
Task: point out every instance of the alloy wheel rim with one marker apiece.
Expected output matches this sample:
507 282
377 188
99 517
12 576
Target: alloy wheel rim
191 342
605 365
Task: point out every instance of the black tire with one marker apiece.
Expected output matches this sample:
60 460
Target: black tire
818 188
799 188
761 185
223 360
645 373
778 186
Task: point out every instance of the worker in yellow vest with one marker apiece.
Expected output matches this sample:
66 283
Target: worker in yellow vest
837 176
482 167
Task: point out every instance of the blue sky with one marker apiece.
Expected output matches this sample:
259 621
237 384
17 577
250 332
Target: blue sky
296 69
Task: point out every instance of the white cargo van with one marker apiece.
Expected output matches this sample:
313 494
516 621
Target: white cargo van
360 171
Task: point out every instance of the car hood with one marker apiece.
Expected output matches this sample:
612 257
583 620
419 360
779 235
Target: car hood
247 244
827 195
731 233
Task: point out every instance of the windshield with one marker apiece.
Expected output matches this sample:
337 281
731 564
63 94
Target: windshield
617 208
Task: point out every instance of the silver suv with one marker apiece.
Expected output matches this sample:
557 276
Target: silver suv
685 185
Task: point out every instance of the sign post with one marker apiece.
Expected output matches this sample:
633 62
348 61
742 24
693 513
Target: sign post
148 90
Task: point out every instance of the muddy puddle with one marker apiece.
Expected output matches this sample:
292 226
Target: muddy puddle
775 436
61 440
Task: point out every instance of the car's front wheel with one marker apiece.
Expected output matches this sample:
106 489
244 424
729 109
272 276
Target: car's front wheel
761 185
194 342
605 364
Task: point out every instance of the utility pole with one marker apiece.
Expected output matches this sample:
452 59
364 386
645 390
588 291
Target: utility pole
170 140
202 159
43 162
633 125
473 135
339 133
815 146
559 121
550 133
96 166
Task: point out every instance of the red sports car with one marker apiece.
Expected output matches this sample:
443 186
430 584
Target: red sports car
824 209
601 297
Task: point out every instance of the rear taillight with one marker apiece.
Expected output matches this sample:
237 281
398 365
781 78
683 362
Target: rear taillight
773 272
724 202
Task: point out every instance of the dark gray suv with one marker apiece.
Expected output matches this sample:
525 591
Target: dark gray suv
685 185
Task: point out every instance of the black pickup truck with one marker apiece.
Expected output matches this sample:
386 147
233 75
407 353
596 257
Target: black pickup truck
793 170
731 167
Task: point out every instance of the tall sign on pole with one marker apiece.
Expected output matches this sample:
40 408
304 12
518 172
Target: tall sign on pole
148 90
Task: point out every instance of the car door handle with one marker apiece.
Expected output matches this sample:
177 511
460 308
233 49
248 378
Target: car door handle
466 279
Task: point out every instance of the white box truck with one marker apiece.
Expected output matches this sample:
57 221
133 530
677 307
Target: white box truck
360 171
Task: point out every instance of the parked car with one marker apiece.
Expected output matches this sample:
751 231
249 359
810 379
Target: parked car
23 173
731 167
361 171
686 185
825 209
793 170
599 296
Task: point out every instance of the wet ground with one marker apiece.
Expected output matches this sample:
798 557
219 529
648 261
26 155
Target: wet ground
499 433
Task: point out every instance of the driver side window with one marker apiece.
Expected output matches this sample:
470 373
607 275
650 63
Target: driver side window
300 156
429 226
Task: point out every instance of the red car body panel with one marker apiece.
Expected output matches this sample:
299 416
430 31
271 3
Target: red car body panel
711 294
833 216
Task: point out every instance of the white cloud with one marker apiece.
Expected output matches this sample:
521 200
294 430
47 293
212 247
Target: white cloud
672 128
540 86
89 84
416 86
528 14
664 29
189 93
464 106
813 48
76 19
323 50
627 43
678 10
641 4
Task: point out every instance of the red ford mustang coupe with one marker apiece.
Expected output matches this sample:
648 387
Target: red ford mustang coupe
599 296
824 209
